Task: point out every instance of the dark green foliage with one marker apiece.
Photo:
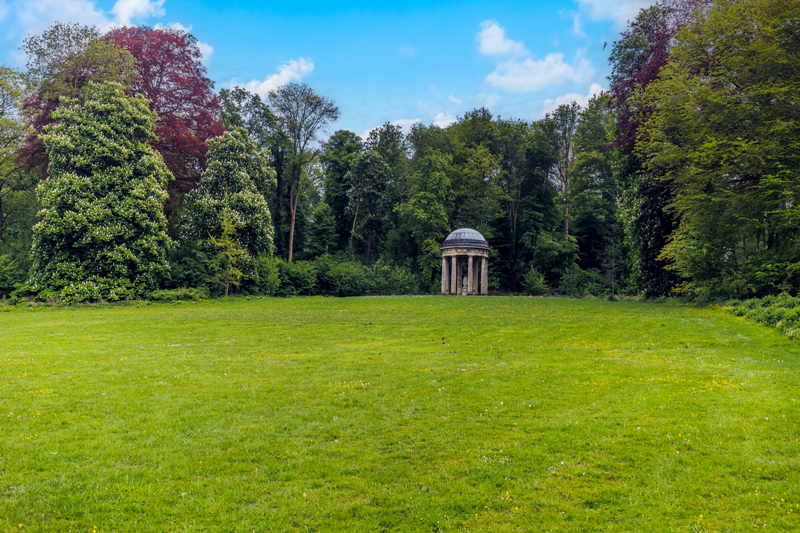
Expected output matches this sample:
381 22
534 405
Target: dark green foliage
336 159
266 278
724 131
580 283
342 278
535 282
10 275
322 237
553 255
298 278
190 267
371 199
394 280
332 276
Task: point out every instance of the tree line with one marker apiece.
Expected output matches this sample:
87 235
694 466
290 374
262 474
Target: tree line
123 172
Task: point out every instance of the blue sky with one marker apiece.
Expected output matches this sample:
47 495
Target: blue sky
395 61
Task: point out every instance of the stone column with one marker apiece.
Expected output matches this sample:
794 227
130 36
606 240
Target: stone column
470 276
476 275
444 276
453 275
459 279
485 276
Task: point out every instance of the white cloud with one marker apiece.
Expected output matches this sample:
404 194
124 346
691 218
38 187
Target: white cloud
173 26
294 70
27 17
444 119
36 16
530 75
126 10
487 100
582 99
620 11
406 123
577 28
492 41
206 50
454 100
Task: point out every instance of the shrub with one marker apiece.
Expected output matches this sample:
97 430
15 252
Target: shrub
349 279
781 312
580 283
172 295
10 275
266 279
535 282
190 268
297 279
388 280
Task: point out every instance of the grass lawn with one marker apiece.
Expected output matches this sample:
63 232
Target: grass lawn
396 414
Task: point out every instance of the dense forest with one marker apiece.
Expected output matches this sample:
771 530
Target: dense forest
122 173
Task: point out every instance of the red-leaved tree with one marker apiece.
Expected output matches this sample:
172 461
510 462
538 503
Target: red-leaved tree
638 57
173 78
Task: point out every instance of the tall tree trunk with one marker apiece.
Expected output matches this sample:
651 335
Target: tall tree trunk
2 217
353 230
293 198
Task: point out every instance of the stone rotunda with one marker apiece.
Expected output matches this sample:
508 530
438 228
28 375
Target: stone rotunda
465 247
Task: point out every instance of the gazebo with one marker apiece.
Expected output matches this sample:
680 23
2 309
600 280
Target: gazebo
465 246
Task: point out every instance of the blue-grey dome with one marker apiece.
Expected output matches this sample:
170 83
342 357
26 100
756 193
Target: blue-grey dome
465 237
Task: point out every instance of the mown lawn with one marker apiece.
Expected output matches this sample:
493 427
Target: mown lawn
396 414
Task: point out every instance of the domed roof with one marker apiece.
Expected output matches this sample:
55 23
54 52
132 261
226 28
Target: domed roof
465 237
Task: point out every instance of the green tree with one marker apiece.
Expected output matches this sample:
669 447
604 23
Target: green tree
236 174
595 191
564 119
303 115
65 58
336 158
323 238
371 197
427 210
479 196
725 131
228 254
102 230
13 130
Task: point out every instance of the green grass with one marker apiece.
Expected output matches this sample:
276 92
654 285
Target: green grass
396 414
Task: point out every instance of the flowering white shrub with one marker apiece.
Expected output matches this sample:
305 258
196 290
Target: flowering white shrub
102 231
237 169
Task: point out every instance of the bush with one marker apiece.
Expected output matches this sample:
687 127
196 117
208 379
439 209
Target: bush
172 295
535 282
296 279
781 312
189 268
10 275
266 279
349 279
388 280
580 283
